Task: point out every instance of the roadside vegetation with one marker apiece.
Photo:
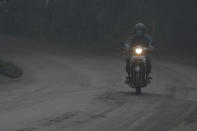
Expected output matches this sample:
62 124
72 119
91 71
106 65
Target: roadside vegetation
3 6
10 69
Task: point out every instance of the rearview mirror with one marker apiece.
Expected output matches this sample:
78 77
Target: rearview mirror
122 43
154 43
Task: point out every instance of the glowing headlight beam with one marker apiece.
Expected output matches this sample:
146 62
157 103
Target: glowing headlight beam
138 50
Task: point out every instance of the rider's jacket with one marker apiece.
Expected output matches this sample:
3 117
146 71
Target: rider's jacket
134 39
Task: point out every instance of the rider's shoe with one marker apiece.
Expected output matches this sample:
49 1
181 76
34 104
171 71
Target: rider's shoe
127 80
149 80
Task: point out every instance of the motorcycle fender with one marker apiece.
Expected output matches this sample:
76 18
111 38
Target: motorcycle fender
137 68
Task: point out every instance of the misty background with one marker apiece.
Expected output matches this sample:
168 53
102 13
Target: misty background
172 23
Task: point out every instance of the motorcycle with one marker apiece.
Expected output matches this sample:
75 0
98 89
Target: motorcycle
138 68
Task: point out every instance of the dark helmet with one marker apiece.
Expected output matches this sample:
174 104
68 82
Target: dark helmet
140 29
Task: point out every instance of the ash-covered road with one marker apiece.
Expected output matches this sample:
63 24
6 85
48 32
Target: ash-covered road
72 90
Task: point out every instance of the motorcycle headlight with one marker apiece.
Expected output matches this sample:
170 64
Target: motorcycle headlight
138 51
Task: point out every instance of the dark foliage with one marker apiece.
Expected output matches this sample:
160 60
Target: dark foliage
106 20
10 70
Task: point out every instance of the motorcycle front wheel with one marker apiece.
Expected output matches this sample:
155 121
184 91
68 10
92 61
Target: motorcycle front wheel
138 82
138 91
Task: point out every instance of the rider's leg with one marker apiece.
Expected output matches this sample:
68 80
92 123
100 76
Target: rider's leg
127 70
149 68
128 65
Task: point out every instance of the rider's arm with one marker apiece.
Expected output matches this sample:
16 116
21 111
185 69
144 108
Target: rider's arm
129 42
127 45
150 43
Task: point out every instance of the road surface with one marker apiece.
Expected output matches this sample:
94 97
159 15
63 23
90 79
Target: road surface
75 90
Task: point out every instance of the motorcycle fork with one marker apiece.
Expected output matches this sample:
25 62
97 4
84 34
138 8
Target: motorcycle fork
142 73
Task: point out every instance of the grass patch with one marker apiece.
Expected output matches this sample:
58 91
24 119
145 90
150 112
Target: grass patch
10 69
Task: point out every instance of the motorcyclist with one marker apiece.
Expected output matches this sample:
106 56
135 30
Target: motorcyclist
139 36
